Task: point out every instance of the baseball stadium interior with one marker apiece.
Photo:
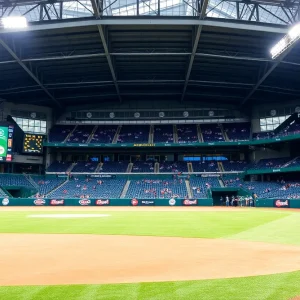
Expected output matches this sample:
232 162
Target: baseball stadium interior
152 101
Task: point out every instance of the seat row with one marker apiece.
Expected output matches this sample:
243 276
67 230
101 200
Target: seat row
150 187
181 133
172 167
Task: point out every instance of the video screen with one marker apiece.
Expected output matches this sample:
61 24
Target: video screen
6 141
33 143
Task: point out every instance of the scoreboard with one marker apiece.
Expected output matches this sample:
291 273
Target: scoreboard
33 143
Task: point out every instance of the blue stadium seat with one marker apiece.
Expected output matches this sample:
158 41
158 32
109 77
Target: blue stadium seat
58 133
148 188
58 166
134 134
212 133
80 134
237 131
79 186
163 134
187 134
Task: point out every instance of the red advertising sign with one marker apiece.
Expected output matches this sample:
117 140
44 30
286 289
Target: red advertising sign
57 202
281 203
101 202
134 202
188 202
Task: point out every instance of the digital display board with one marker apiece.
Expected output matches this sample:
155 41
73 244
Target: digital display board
33 143
6 140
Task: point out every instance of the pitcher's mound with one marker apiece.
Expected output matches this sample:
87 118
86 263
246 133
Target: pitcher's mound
31 259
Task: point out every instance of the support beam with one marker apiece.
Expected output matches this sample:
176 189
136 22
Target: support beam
135 21
265 76
105 46
14 55
96 8
195 47
110 64
208 55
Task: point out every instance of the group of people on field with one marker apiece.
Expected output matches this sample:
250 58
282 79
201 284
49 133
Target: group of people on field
237 201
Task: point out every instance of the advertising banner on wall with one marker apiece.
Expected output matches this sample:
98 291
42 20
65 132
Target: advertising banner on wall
5 201
100 202
57 202
6 141
39 202
282 203
172 202
147 202
85 202
103 176
134 202
188 202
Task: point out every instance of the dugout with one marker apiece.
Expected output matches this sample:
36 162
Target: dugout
217 193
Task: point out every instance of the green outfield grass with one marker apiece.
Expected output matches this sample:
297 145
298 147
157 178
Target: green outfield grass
272 226
273 287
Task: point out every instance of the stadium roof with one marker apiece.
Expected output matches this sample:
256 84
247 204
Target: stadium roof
153 54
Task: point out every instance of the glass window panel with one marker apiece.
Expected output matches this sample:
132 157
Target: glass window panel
269 121
270 127
31 128
25 122
31 122
263 128
43 130
263 121
43 124
37 123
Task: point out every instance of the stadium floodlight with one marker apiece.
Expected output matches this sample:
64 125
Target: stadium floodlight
286 42
14 22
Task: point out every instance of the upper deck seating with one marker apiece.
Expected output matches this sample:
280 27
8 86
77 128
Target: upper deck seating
80 134
212 133
134 134
237 131
59 133
104 134
187 134
163 134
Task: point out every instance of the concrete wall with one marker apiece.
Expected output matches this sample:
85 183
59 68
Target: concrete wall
27 159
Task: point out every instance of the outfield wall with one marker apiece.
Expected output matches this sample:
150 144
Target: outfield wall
279 203
103 202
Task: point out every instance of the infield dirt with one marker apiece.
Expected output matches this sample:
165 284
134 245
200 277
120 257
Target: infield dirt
50 259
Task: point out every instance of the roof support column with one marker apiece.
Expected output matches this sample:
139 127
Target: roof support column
109 60
98 13
194 50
